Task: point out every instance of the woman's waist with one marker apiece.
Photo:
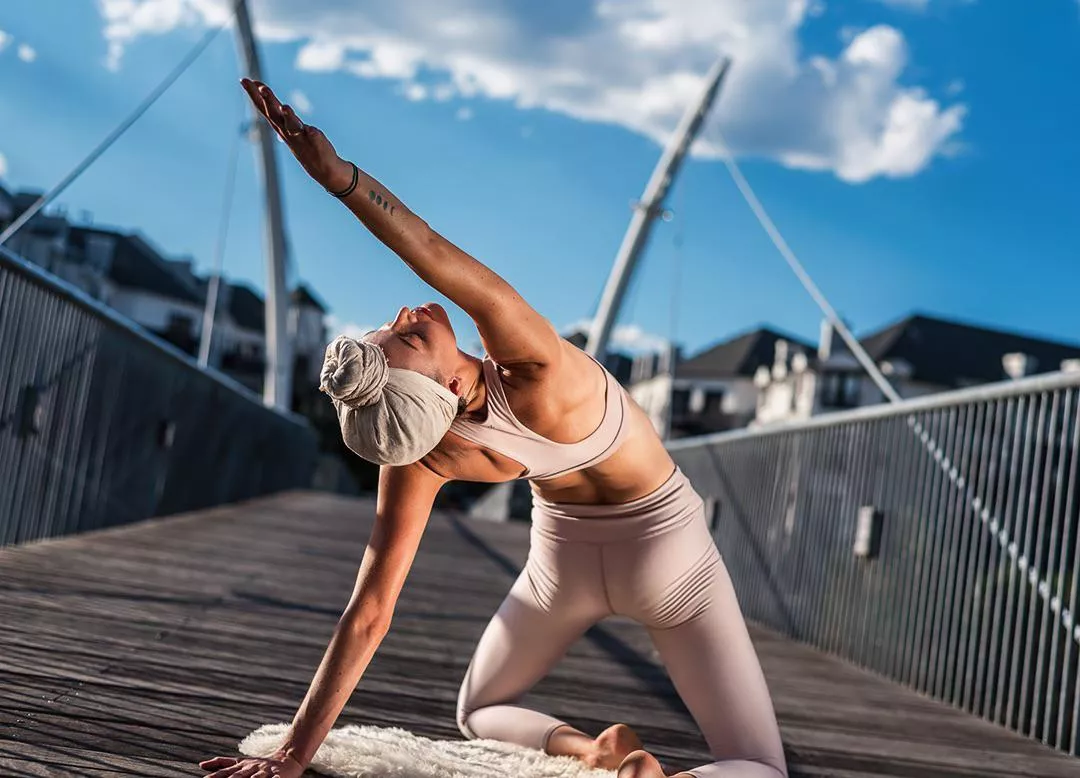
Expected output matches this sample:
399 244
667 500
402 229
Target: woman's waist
671 504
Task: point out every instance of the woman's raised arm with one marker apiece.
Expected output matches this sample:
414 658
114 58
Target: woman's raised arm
512 331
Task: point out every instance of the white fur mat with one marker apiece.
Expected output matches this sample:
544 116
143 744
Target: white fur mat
375 752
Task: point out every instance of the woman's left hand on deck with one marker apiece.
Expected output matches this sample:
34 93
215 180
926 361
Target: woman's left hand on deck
273 767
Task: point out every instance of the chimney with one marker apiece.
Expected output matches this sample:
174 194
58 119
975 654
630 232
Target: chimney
780 360
1018 365
1070 366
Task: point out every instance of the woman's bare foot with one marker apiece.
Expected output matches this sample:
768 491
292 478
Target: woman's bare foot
640 764
612 746
606 751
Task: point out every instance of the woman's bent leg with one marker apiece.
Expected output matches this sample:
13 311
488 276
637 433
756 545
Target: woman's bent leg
713 665
530 632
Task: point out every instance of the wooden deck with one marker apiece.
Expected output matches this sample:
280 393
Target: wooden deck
141 650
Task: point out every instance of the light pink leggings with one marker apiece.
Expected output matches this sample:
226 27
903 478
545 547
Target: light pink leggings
653 560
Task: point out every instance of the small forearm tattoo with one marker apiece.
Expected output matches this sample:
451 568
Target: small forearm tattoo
379 199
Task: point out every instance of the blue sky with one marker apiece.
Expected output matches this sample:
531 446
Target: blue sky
917 155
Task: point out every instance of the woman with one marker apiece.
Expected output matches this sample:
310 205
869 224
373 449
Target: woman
617 528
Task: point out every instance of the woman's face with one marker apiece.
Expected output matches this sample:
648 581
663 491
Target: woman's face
420 339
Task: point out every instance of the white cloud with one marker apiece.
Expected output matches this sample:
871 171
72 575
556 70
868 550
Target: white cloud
321 55
632 63
415 92
955 87
464 113
907 5
624 337
336 326
3 166
300 102
5 39
26 52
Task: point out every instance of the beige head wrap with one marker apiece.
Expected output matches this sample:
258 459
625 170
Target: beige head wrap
388 416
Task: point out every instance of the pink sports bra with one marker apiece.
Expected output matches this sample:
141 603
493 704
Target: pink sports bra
544 459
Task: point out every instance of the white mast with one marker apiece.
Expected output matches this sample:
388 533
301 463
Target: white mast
650 206
277 383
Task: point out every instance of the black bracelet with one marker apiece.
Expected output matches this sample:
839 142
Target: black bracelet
349 189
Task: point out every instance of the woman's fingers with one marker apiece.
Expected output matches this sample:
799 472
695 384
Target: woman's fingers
293 125
257 100
261 95
228 772
217 763
273 105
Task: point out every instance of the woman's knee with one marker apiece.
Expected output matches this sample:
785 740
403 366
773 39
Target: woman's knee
465 708
463 724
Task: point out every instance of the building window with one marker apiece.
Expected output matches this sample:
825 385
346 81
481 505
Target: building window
840 390
181 323
680 401
852 390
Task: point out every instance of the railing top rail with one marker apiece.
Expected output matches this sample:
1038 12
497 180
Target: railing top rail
1003 390
11 261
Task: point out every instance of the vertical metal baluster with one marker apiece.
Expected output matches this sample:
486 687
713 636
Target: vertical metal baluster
838 535
933 428
53 379
1049 604
862 462
802 533
836 488
1035 565
879 435
959 556
1009 480
822 516
942 444
8 322
906 529
1061 685
979 588
816 441
951 503
84 438
1013 608
21 370
900 473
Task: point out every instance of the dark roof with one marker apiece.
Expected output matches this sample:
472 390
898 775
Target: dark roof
579 338
302 295
741 355
951 353
246 307
138 265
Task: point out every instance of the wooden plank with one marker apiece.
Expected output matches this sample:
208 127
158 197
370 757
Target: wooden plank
140 650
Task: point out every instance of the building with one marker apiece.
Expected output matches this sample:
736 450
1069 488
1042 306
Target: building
164 295
711 391
617 363
919 355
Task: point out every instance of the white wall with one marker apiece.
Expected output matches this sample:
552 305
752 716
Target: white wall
153 311
654 397
740 397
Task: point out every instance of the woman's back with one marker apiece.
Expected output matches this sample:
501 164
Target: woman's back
572 430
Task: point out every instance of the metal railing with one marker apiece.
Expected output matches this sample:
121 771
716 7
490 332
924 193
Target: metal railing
102 424
965 584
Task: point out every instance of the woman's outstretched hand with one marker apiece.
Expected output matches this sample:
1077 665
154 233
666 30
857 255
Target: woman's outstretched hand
310 147
274 767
